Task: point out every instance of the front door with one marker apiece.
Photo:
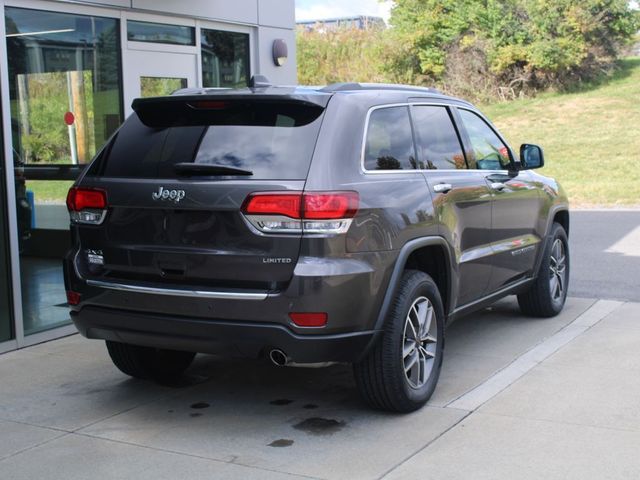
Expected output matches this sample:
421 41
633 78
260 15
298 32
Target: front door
153 74
461 198
516 204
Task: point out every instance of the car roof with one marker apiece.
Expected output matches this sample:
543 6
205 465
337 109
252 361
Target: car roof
392 92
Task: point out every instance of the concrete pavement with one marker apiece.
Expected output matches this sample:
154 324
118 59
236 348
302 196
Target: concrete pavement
535 398
605 254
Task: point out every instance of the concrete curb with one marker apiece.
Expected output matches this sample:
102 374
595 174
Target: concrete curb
491 387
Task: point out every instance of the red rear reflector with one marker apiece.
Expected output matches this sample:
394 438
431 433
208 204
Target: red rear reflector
287 204
73 298
330 205
80 198
309 319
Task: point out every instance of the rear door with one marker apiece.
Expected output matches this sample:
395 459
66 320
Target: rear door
461 197
171 224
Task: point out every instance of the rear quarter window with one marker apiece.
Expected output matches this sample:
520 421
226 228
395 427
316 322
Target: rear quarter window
389 140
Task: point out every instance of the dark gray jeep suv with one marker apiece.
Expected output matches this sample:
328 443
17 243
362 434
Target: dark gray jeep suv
348 223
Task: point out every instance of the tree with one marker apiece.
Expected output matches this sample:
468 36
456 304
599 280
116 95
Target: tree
514 44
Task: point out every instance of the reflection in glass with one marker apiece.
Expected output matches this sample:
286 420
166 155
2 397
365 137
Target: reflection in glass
490 152
225 59
65 102
160 33
160 86
437 139
389 144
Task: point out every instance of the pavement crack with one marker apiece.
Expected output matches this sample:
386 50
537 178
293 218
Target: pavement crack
31 447
406 459
193 455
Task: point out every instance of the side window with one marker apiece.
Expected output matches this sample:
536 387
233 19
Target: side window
389 142
438 141
490 152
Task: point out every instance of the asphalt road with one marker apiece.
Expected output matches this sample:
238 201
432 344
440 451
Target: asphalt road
605 254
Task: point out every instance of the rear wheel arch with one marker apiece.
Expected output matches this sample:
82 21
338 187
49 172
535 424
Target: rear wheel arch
430 255
433 260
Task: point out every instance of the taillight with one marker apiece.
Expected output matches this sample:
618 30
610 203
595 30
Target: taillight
87 205
298 212
287 204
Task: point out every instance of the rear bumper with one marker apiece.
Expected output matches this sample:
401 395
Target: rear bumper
240 322
240 339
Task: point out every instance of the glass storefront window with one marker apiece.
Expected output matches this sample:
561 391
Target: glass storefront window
225 58
160 33
65 92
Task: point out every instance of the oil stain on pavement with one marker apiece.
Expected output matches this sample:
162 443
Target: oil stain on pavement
320 426
283 442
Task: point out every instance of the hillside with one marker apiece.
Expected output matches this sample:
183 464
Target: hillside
591 138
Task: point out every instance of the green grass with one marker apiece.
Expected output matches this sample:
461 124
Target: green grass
48 191
591 138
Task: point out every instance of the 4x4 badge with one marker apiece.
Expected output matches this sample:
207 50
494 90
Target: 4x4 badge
164 194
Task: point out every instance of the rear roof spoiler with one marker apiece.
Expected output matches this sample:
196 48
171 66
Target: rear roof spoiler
185 110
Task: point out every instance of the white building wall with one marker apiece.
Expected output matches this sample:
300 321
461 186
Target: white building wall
271 20
285 75
243 11
277 13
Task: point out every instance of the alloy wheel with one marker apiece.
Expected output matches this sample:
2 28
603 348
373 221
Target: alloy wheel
557 270
419 342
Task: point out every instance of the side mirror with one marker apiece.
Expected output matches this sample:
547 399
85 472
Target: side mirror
531 156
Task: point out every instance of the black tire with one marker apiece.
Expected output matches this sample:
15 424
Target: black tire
149 363
542 299
380 376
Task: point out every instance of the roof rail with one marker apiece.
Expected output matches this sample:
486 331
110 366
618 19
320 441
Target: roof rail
342 87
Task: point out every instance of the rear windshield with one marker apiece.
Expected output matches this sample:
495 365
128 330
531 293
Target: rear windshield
273 141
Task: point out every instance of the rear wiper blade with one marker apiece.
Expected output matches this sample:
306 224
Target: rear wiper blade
208 169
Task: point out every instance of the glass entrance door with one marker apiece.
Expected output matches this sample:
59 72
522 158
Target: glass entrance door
155 73
65 102
6 323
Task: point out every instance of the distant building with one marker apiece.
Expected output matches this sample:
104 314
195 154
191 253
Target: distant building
361 22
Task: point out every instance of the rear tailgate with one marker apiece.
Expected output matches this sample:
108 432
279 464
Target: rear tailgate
164 225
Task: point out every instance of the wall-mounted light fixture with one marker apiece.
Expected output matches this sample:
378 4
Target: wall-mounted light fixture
280 52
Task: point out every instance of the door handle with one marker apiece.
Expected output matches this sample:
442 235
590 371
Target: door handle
497 186
442 187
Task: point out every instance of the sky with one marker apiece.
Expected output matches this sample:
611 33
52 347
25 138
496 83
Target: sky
319 9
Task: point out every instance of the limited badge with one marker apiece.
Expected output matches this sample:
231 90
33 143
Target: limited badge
95 257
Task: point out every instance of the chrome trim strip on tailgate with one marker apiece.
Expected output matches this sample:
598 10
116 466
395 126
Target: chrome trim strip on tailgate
178 293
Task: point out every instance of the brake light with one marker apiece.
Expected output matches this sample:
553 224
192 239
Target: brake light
298 212
87 205
209 105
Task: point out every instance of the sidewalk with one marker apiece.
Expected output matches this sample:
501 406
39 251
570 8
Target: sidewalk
518 398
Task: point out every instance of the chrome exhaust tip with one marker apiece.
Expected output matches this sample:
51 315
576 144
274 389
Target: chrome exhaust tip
278 357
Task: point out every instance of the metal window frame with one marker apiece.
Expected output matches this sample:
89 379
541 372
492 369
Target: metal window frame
443 104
